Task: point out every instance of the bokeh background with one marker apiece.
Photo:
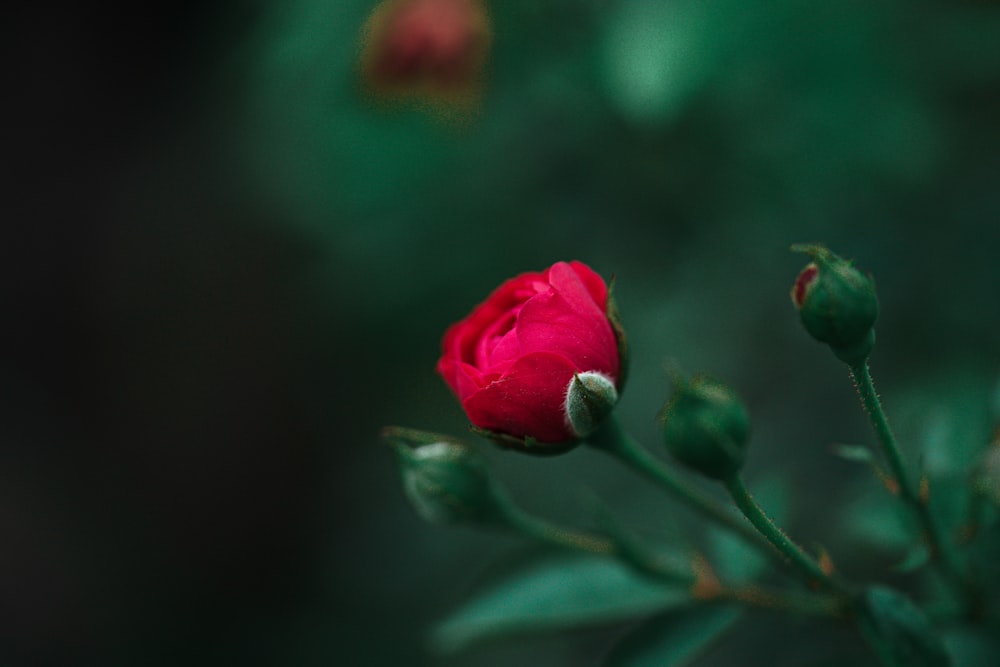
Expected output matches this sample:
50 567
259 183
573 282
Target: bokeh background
223 269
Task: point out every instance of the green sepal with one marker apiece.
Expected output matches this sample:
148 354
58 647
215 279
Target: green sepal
590 398
614 317
411 437
528 445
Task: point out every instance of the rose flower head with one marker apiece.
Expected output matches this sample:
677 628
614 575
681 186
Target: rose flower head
429 50
538 363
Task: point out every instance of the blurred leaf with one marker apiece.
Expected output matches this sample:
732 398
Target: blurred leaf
674 638
556 593
948 416
917 557
856 453
875 518
657 55
898 631
731 558
971 648
659 561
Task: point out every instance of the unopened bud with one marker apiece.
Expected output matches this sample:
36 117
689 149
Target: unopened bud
706 427
590 397
837 304
447 481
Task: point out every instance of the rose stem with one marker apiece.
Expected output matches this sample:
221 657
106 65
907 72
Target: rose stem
761 597
807 565
560 536
611 438
749 596
910 494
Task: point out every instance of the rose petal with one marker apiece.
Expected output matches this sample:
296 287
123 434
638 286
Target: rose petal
461 340
568 321
594 283
462 378
527 400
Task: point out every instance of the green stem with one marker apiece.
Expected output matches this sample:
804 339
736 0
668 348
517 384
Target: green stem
611 438
559 536
807 565
805 604
944 557
750 596
550 533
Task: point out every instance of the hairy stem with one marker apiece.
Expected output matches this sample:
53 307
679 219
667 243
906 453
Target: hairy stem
909 491
804 563
614 440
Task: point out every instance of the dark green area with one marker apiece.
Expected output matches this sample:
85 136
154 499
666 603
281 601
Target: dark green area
223 271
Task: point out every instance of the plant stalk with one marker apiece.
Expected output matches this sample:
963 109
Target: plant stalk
943 555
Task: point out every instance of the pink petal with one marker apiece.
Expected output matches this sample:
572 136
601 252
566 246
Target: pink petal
527 400
567 320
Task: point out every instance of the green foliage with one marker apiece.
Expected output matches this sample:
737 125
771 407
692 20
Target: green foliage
675 638
556 593
729 555
899 632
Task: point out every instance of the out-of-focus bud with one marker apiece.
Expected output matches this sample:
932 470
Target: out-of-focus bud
705 427
590 398
837 304
986 477
429 50
446 481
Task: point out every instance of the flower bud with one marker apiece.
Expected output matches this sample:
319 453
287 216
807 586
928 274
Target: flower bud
590 397
512 360
837 304
428 50
706 427
446 481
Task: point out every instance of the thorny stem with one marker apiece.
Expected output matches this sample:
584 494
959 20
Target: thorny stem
805 563
611 438
710 591
916 497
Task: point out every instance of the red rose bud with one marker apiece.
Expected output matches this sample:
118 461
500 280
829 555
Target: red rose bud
706 427
805 280
446 481
837 304
428 49
512 360
589 399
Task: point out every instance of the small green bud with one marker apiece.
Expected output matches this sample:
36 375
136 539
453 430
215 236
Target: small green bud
837 304
706 427
590 397
447 481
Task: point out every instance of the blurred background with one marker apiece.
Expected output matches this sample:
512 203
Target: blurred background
223 269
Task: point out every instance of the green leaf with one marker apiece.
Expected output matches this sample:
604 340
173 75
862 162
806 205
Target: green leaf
674 638
873 518
898 631
972 648
730 556
856 453
917 557
553 594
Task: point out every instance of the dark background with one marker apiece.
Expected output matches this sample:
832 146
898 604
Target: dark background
222 270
